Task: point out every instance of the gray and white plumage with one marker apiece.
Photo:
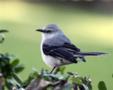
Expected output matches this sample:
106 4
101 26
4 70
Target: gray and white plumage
58 50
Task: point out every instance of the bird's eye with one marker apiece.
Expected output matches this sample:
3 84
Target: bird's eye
48 31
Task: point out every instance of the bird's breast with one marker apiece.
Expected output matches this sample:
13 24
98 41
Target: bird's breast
49 60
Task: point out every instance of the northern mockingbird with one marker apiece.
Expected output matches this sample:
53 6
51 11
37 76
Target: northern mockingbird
57 49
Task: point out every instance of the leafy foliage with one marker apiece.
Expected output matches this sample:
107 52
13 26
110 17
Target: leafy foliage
9 67
60 81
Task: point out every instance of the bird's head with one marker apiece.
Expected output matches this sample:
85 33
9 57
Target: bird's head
49 29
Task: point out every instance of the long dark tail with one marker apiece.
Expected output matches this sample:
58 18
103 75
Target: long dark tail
90 53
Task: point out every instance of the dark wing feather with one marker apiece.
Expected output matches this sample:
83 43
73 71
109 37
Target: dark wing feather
59 52
71 47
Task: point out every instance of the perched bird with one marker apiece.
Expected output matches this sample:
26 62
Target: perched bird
58 50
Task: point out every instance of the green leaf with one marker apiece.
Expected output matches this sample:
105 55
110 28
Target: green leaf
102 85
9 83
15 62
77 80
17 79
3 31
60 69
18 68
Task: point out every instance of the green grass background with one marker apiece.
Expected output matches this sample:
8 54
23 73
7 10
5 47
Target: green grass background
90 31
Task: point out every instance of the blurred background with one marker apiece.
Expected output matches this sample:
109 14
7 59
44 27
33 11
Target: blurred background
88 24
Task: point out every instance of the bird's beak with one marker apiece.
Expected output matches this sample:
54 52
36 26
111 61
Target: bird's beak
40 30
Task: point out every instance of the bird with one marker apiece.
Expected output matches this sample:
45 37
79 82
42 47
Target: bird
58 50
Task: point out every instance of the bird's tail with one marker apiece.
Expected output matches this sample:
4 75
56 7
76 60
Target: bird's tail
90 53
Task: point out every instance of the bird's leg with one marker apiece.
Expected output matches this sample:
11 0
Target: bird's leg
52 69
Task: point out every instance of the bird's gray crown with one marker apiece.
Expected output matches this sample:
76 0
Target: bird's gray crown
51 27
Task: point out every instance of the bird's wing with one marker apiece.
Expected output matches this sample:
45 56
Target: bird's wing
71 47
59 52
